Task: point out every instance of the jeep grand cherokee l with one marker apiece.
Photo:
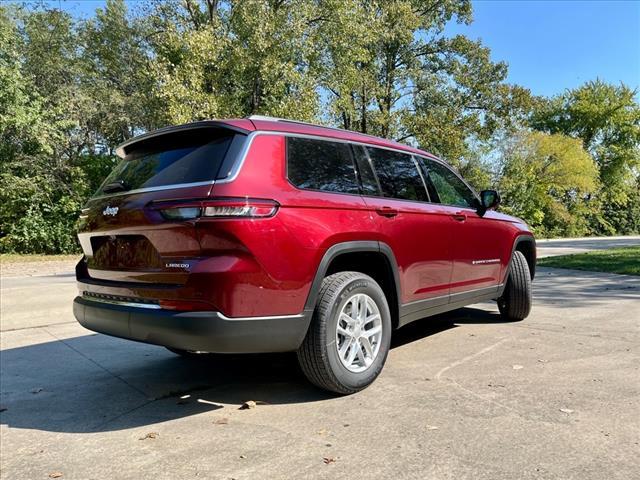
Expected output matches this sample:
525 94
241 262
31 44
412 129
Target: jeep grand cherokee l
269 235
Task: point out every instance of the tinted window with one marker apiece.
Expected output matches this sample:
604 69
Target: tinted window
367 178
321 165
398 175
182 157
451 190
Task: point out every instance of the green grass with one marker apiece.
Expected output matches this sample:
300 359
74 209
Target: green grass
27 258
624 260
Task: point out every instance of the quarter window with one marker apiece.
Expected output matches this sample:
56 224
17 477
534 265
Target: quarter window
398 175
451 190
321 165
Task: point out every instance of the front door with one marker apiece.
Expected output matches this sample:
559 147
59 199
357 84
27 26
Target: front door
477 242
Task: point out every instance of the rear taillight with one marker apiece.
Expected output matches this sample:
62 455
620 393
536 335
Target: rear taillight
217 208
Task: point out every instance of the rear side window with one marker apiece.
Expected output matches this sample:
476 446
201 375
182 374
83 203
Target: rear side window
367 177
321 165
451 190
398 175
175 158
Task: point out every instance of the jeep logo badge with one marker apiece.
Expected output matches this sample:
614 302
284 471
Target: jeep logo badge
110 211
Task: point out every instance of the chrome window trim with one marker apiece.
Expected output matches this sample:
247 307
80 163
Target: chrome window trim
235 171
156 189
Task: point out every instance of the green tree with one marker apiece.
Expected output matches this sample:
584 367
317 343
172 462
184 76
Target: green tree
606 118
38 189
390 70
116 77
545 179
236 58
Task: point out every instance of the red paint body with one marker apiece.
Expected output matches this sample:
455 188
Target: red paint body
265 266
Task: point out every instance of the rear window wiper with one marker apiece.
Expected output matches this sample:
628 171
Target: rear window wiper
117 186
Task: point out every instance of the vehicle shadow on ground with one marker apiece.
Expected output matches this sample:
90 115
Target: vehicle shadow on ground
96 383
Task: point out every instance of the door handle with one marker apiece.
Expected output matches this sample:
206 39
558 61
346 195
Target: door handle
387 211
459 216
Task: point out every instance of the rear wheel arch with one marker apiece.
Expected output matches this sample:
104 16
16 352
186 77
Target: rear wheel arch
373 258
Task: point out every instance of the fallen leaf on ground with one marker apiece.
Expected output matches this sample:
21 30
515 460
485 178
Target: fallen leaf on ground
221 421
518 367
36 390
247 405
55 475
322 431
328 460
150 435
432 427
566 410
243 456
3 409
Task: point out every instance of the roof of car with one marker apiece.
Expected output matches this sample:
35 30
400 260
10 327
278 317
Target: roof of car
293 126
272 124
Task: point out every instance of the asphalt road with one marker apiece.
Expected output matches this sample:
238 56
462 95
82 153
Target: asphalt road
463 395
567 246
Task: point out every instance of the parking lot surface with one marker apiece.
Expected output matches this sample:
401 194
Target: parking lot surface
463 395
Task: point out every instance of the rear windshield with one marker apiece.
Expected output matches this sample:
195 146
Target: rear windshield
182 157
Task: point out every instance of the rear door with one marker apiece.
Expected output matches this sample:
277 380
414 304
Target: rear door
124 233
417 231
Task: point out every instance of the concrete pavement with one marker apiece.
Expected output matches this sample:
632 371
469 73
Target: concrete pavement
567 246
463 395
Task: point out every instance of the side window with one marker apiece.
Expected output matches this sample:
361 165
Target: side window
398 175
451 190
367 177
321 165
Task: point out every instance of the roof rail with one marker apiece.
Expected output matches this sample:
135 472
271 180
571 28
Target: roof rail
300 122
286 120
268 118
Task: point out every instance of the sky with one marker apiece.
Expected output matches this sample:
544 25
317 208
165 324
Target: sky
550 45
554 45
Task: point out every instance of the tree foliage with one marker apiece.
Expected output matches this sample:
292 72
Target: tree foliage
72 89
545 179
606 119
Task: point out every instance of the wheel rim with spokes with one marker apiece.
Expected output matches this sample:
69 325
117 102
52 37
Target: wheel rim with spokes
359 332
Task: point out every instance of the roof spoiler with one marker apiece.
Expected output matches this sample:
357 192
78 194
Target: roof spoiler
123 148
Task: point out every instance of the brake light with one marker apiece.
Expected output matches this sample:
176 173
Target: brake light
218 208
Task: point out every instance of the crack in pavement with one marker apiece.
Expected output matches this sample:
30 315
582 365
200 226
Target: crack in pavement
37 326
457 363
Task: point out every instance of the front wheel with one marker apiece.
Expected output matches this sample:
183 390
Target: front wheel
349 336
515 302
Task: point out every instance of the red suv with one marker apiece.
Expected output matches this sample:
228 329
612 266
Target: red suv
269 235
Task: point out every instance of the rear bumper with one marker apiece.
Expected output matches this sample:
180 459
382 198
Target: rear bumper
201 331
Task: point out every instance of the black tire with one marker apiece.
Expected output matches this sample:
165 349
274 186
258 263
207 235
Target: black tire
515 302
318 355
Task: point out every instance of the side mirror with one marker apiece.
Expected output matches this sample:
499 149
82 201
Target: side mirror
489 200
